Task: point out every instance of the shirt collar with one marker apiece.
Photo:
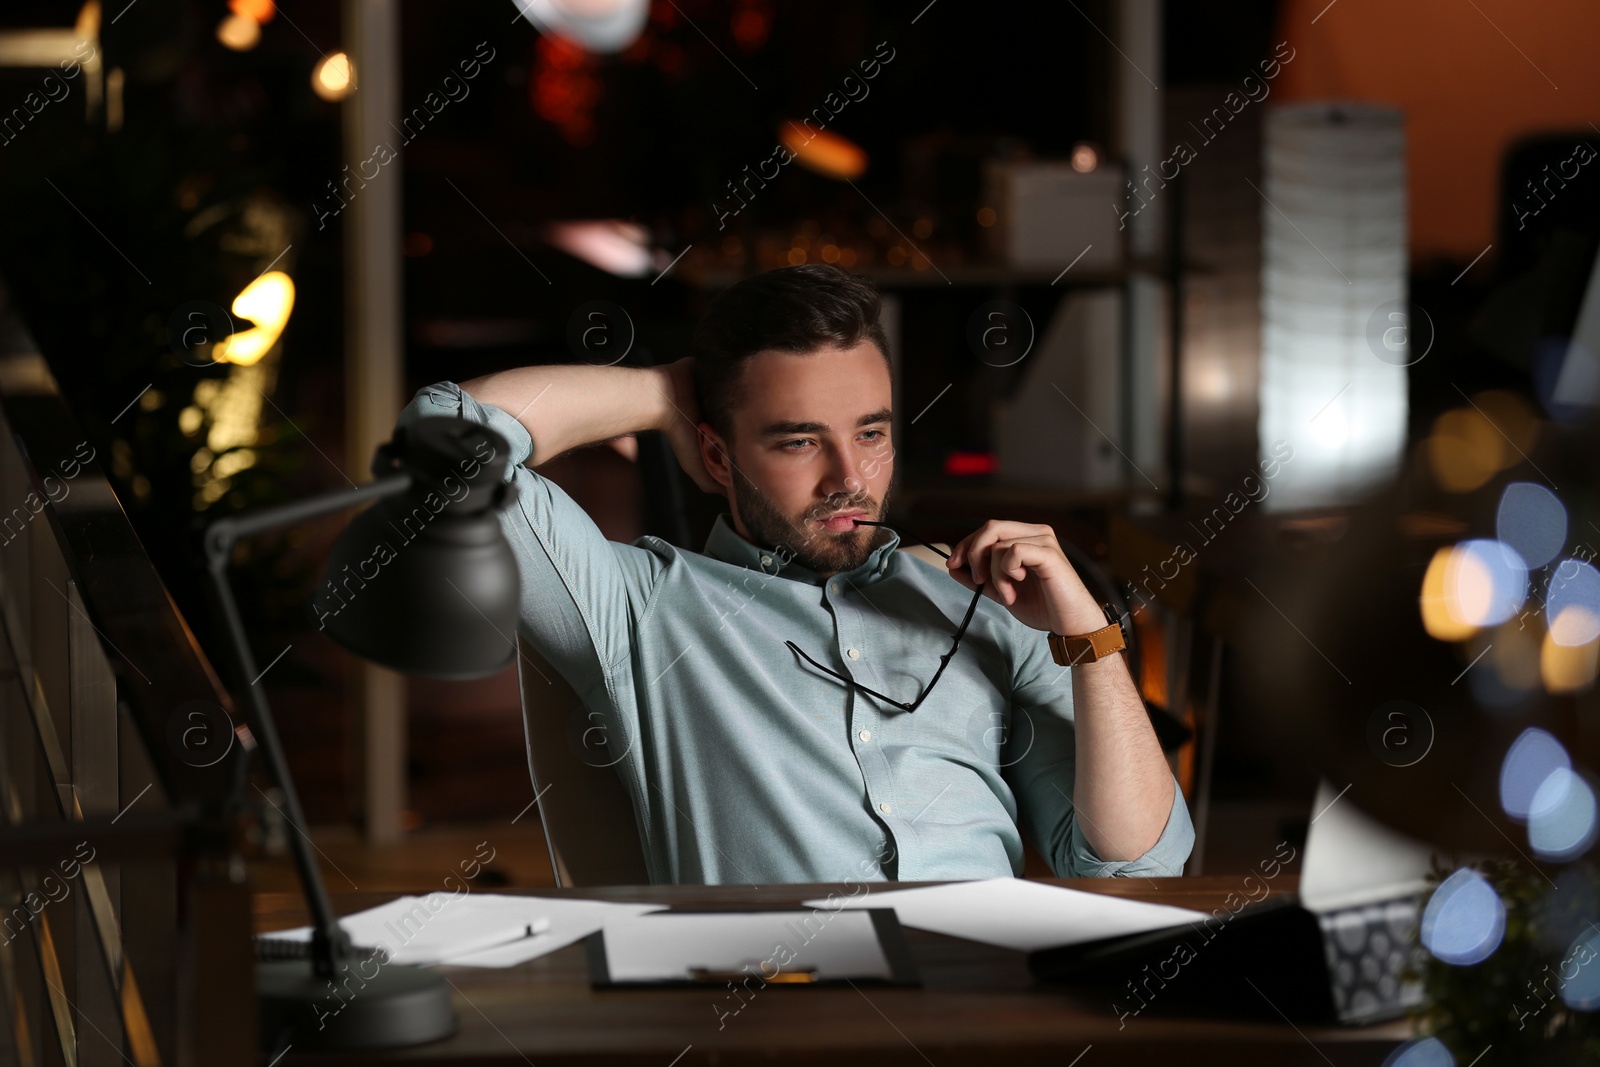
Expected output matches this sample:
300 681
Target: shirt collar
726 544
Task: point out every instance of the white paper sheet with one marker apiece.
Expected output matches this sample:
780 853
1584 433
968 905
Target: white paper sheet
1352 859
476 929
1019 914
573 920
654 948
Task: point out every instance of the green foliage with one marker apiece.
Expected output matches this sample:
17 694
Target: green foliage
1511 1003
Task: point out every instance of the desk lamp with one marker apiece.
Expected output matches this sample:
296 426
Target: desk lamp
422 582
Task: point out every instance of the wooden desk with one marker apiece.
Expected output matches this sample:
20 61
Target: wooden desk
978 1005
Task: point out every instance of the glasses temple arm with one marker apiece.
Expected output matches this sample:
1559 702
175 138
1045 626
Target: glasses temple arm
911 537
902 705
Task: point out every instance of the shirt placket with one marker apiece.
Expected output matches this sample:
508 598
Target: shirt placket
867 717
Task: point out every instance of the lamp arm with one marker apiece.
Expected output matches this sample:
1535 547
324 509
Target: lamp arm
328 941
223 534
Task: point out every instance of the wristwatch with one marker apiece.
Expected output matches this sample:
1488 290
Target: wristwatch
1087 648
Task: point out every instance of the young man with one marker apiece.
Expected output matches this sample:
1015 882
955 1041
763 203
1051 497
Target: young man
744 761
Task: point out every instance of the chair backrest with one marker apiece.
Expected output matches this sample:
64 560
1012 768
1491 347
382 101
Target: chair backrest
588 819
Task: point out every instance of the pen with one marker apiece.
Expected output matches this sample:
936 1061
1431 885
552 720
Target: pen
703 974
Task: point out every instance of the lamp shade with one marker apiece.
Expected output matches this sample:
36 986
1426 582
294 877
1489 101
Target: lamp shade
424 581
1334 332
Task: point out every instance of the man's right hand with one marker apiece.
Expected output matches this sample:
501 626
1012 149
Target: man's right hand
683 422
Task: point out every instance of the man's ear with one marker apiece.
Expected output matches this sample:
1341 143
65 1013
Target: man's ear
714 454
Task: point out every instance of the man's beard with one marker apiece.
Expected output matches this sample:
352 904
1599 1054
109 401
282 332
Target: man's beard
812 546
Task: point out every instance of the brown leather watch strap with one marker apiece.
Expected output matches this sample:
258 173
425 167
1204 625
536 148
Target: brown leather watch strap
1086 648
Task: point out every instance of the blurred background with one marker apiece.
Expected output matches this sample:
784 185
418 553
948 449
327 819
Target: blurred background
1274 310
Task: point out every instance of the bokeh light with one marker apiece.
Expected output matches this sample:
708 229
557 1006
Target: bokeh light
1439 617
603 26
1567 668
1561 824
1464 450
1567 910
254 10
1534 756
239 32
1428 1052
1469 445
267 302
333 77
617 246
1572 604
1532 520
1486 582
1464 919
823 151
1581 992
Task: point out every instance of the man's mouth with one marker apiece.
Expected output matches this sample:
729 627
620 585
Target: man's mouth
841 521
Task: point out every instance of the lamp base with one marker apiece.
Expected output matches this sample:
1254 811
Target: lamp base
398 1005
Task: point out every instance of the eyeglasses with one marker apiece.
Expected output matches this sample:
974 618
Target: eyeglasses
944 660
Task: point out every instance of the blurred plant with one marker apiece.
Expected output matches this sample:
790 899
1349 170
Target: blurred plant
1493 1005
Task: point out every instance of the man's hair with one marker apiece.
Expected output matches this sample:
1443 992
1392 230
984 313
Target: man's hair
792 309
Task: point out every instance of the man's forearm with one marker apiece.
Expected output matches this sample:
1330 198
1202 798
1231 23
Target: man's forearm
566 407
1123 787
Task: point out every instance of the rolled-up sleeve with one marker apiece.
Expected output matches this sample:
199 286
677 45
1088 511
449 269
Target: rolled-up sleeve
1041 766
581 593
1164 859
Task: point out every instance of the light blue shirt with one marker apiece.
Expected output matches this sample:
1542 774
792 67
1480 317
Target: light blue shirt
743 762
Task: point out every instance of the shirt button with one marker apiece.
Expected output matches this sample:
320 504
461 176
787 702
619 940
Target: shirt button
837 587
853 653
765 560
865 735
884 808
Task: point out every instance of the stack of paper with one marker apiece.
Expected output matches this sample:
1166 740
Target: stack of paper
1019 914
477 929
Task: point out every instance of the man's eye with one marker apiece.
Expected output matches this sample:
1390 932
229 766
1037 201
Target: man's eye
788 444
873 434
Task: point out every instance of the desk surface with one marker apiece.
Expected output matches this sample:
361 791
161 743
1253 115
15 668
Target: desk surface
977 1004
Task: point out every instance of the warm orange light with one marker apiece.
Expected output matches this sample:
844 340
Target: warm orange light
257 11
239 32
825 152
1465 450
333 77
1512 417
1084 157
1441 615
267 302
87 26
1567 668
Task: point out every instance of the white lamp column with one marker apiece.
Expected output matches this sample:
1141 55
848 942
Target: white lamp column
1334 335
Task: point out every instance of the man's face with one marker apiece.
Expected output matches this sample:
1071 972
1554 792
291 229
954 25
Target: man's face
811 440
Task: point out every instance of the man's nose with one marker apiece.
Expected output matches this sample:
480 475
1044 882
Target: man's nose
844 476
